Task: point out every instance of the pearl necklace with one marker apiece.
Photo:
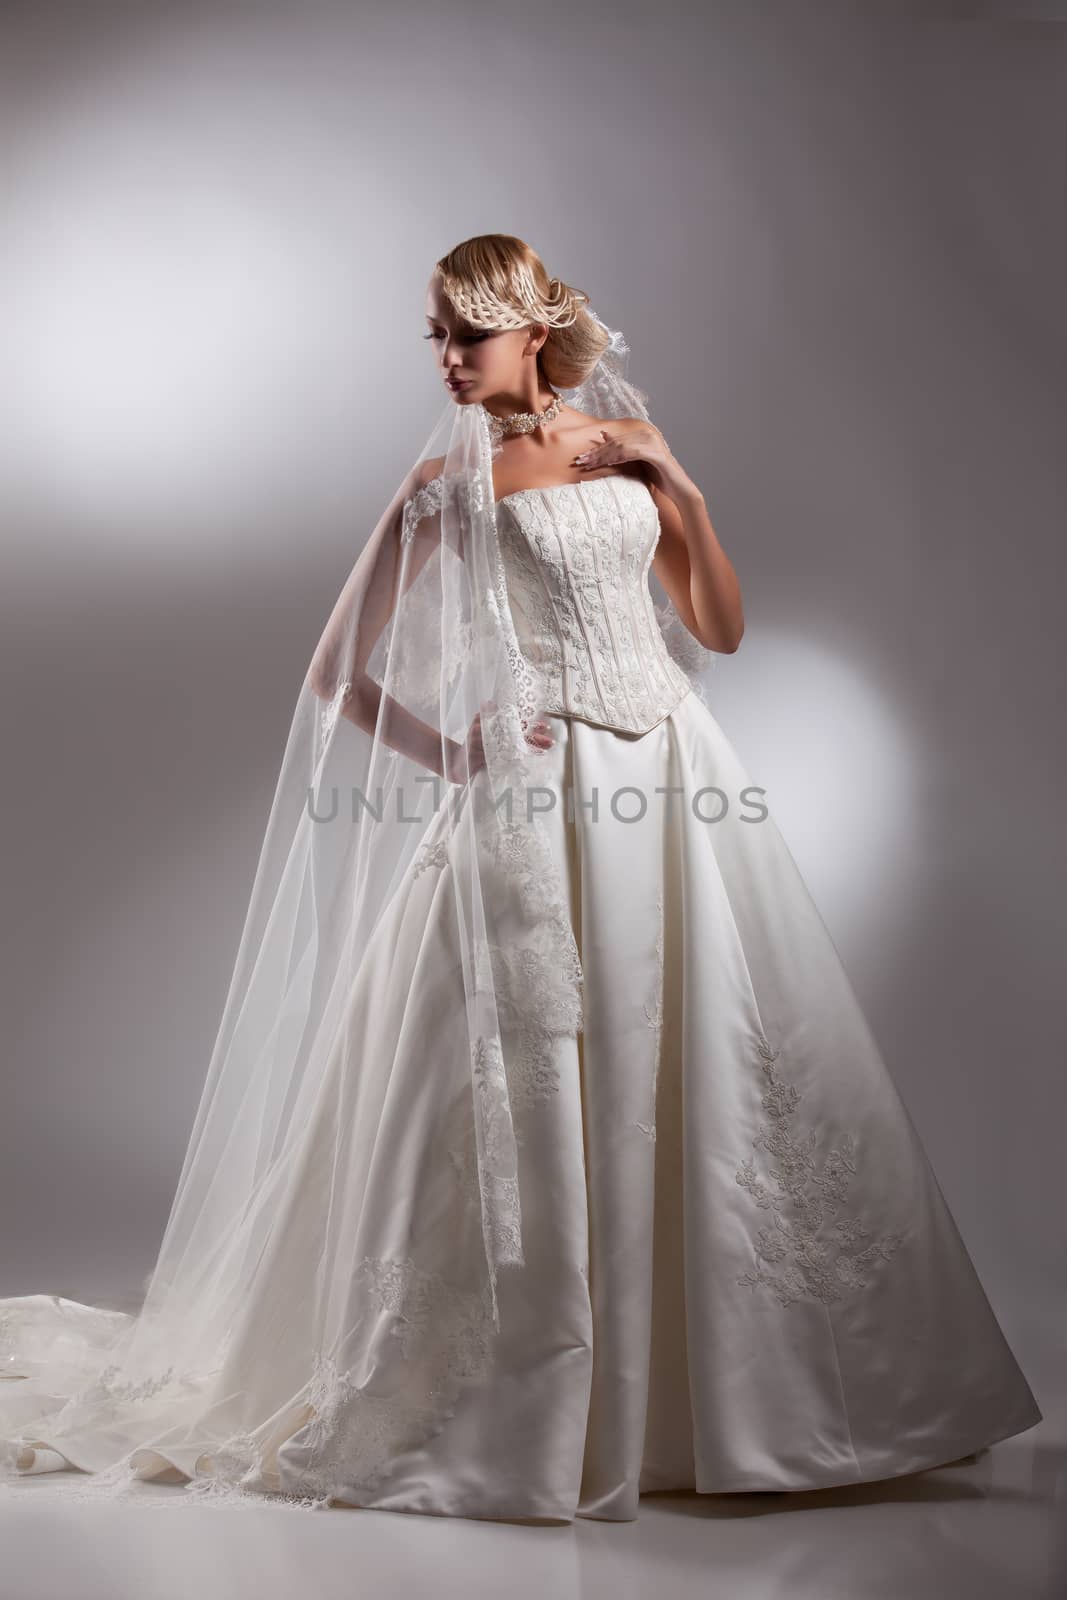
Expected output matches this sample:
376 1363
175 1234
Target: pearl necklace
523 421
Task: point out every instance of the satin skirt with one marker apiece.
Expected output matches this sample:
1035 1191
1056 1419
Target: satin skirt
740 1272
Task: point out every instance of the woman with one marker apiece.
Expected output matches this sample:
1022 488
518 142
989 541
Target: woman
545 1156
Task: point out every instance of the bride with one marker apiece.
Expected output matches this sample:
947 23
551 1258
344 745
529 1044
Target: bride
545 1157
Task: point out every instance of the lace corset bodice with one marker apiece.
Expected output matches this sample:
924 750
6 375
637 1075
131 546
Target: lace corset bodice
577 557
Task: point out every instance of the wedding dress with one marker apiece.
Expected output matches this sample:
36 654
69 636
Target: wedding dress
741 1272
735 1268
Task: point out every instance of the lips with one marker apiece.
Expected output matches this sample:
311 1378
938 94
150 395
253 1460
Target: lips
459 383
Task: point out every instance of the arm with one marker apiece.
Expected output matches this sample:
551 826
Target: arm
695 570
364 608
689 561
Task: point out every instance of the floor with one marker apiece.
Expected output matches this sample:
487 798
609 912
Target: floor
994 1526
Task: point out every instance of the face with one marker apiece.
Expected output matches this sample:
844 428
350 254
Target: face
475 364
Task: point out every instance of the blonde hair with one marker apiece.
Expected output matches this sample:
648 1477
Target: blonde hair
496 280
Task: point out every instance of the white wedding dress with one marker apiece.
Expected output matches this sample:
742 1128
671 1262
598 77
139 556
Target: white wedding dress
740 1272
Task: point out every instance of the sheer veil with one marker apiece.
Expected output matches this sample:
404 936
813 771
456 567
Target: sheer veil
305 1321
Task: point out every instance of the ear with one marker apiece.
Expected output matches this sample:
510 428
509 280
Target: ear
538 336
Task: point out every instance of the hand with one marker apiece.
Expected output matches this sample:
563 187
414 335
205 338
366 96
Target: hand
644 446
467 759
540 736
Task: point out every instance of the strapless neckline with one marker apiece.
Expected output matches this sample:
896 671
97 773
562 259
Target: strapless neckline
577 483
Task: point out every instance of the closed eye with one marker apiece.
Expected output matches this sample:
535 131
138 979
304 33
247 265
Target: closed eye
474 337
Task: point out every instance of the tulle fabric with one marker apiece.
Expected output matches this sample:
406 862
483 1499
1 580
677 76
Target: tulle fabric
381 1307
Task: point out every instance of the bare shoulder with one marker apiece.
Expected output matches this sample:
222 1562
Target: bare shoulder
623 424
427 470
418 476
628 424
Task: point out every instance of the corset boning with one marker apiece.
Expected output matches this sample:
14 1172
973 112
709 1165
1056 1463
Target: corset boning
577 557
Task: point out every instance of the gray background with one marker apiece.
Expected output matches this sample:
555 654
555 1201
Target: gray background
834 236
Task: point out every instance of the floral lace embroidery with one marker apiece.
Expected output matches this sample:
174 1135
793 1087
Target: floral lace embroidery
577 575
540 979
423 503
498 1188
536 984
422 1304
532 987
431 853
345 1438
504 731
811 1264
332 710
533 1073
105 1387
354 1436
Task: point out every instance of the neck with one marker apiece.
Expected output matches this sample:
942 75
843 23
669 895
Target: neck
504 406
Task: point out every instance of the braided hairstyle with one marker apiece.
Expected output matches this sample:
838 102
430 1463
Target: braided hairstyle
496 280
